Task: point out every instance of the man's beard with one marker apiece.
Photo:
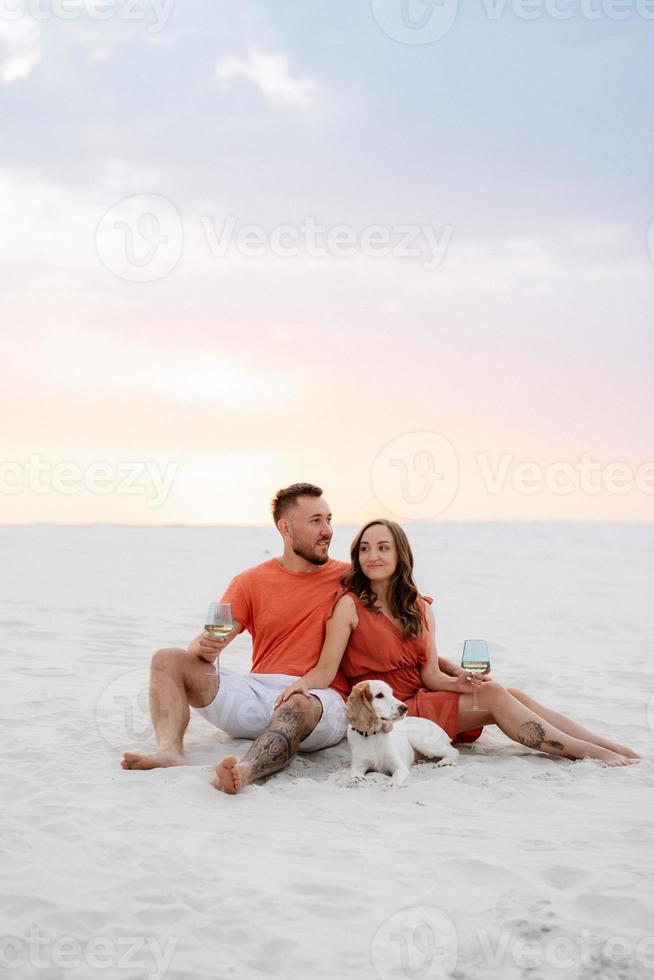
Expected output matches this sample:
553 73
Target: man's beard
303 552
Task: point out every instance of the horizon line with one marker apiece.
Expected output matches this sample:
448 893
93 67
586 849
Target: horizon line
260 526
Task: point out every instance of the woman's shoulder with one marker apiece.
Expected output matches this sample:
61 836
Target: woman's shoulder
425 603
350 598
344 605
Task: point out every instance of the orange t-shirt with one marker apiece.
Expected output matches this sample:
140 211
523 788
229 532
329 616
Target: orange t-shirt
285 613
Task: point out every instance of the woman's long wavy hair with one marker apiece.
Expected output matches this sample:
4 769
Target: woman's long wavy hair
402 591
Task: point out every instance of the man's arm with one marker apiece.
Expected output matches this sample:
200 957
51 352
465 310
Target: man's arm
208 647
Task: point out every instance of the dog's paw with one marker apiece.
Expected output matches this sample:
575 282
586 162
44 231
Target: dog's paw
396 784
355 781
451 761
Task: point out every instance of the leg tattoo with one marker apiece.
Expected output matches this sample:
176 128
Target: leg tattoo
532 734
555 744
275 748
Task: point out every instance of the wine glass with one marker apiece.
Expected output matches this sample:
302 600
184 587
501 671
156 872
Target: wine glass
219 621
476 660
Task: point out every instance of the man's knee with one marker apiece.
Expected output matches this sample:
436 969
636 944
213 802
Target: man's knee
197 679
169 658
308 709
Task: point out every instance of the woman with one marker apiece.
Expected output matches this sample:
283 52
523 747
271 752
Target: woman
381 628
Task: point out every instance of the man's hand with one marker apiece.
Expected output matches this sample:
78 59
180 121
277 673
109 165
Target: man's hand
297 687
207 647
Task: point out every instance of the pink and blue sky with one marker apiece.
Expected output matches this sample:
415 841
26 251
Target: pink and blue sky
525 147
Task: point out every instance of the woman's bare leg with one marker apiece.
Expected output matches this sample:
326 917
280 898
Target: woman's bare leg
570 727
526 727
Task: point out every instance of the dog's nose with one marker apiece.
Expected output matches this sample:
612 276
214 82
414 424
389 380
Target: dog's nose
403 709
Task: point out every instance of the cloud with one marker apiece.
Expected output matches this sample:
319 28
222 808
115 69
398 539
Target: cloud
272 76
103 361
20 48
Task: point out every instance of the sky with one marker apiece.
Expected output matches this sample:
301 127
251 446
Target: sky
403 249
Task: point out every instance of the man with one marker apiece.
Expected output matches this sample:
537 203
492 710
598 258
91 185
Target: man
284 604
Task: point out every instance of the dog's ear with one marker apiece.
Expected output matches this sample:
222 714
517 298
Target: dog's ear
359 710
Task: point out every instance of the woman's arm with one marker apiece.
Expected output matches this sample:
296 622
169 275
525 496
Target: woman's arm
449 668
431 674
337 633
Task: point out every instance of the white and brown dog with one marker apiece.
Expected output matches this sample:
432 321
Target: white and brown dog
381 742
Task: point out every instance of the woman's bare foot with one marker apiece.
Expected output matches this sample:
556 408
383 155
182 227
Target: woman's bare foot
605 743
229 776
612 758
157 760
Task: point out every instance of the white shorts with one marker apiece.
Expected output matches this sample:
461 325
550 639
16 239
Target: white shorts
244 706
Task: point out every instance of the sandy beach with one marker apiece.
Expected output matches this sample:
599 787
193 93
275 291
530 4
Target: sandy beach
511 864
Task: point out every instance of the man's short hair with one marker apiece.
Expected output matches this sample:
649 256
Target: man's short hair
286 499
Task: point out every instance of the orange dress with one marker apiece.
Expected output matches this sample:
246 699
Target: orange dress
378 651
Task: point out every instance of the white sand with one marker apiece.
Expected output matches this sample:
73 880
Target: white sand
512 864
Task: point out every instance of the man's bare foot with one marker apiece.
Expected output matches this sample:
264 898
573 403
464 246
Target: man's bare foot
229 776
157 760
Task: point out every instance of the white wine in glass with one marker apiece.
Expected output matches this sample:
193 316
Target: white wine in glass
219 622
475 660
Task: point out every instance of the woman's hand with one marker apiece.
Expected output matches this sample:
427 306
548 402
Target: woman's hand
466 681
297 687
